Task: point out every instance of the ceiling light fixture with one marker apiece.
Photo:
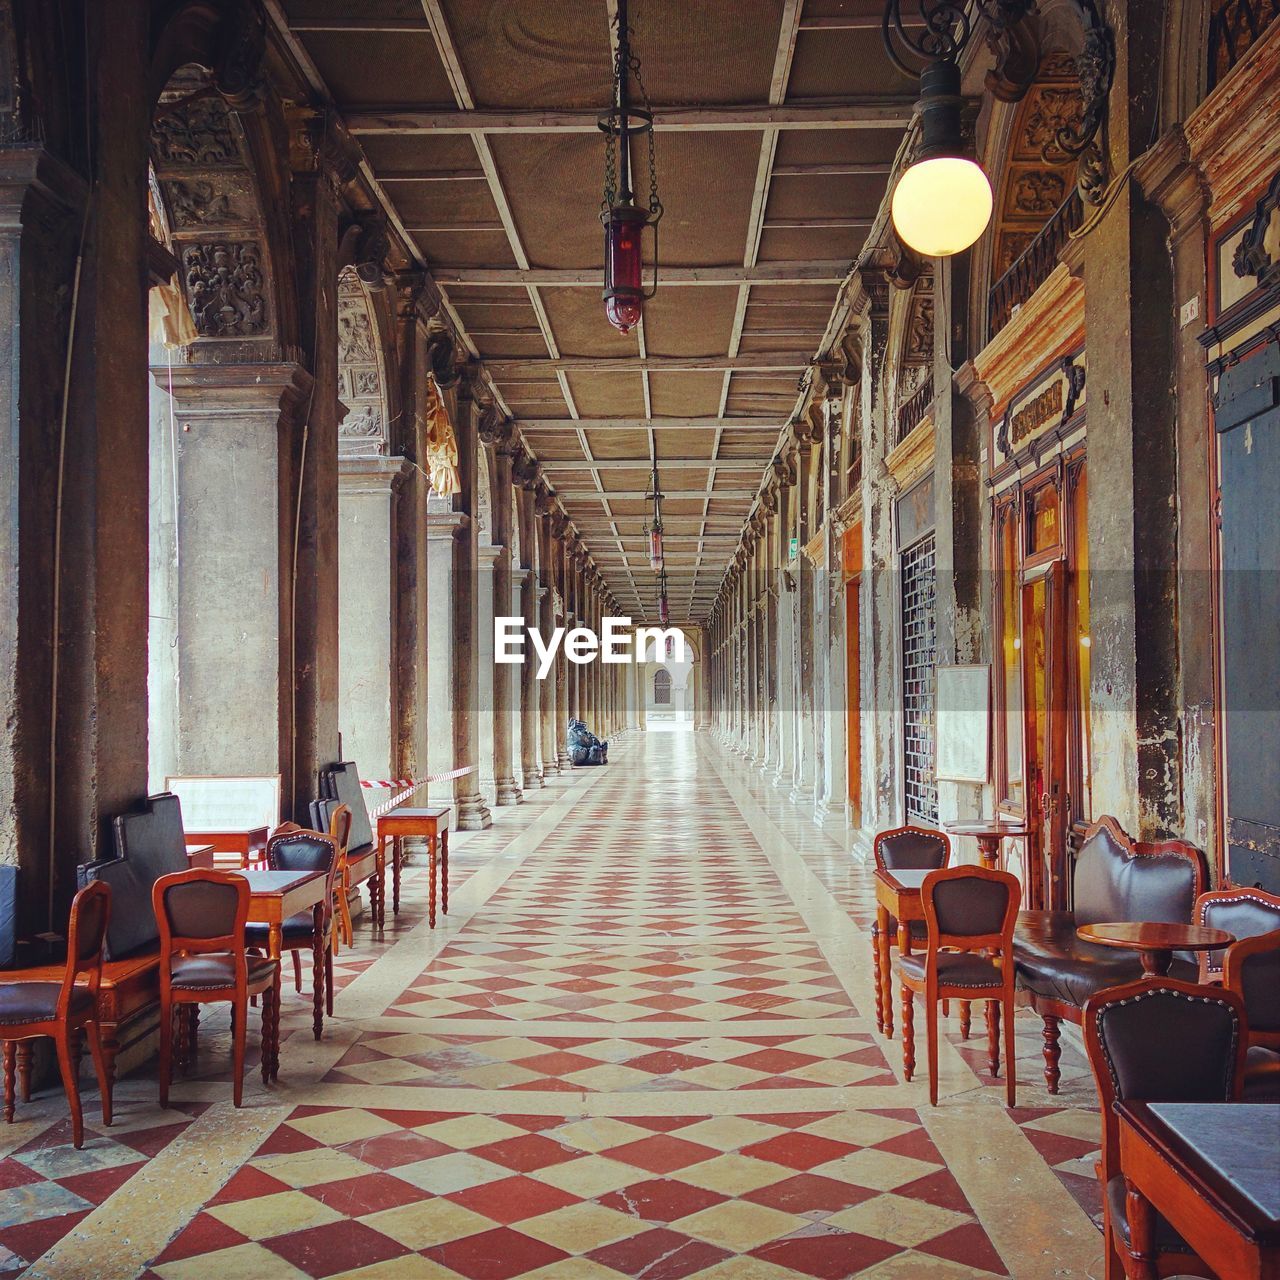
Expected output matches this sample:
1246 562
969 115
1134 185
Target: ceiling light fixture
942 202
625 221
654 530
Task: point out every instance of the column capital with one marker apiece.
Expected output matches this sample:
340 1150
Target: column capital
1171 180
226 390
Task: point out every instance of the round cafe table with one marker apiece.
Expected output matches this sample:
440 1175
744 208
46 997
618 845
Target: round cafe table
988 832
1156 942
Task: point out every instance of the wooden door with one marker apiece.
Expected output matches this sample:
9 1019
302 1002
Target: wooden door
1247 420
1045 717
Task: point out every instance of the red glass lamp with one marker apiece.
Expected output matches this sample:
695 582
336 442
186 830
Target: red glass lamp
623 219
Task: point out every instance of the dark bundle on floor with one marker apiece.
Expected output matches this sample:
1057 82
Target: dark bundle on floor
584 746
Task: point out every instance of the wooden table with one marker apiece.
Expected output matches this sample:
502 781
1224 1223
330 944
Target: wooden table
433 824
1156 942
1212 1170
897 894
274 896
249 843
200 855
989 833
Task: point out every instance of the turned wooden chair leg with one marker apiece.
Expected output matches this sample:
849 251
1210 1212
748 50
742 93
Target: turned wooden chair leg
297 971
328 982
100 1069
964 1019
239 1020
1010 1065
10 1078
908 1034
268 1007
165 1069
931 1030
993 1037
875 967
275 1030
1052 1052
71 1083
25 1050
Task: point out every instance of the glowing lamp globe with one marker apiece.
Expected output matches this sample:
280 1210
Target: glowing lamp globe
941 206
656 561
624 265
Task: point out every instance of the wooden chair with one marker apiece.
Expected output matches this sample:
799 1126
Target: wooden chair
63 1011
1158 1040
297 849
339 827
202 916
1251 969
1243 913
903 849
969 917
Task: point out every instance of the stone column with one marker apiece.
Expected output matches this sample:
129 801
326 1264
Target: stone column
560 530
526 472
227 587
471 812
786 473
443 525
500 437
769 623
833 806
546 621
368 493
487 671
803 786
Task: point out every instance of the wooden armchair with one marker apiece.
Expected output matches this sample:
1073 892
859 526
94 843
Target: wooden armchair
63 1011
1157 1040
1115 879
1251 968
202 916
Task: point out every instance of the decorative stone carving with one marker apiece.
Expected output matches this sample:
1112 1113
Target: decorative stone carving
359 372
1258 254
225 286
362 423
1039 192
195 132
197 202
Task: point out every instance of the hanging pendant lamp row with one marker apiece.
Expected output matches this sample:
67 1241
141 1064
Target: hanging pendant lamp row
942 202
623 219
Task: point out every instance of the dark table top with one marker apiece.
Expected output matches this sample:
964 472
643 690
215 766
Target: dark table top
907 880
987 827
277 881
1151 936
1230 1149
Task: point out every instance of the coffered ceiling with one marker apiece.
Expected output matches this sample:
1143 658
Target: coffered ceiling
777 122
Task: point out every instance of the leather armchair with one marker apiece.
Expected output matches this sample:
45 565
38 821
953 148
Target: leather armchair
1115 879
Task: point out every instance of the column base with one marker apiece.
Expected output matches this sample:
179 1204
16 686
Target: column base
472 813
802 793
563 763
508 792
530 778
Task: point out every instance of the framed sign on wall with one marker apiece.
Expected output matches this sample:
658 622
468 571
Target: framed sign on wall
963 702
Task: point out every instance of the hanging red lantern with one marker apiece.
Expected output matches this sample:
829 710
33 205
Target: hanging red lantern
625 221
656 561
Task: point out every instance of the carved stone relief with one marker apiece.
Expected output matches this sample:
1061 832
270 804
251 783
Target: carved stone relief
225 288
360 388
200 202
195 132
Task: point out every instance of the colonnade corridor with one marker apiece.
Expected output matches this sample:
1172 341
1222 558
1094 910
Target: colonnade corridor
641 1043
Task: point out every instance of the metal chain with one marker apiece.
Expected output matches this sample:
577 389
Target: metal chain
655 204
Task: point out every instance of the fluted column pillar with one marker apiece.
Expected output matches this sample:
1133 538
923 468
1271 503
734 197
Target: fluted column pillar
546 624
525 471
559 529
803 775
500 437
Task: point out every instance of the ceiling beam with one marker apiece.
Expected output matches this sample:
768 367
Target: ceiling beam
432 175
833 168
645 464
760 422
817 272
634 495
891 111
504 367
360 26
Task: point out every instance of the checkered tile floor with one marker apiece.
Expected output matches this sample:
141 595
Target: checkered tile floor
627 1052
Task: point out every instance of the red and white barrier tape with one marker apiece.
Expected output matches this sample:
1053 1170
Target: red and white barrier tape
406 783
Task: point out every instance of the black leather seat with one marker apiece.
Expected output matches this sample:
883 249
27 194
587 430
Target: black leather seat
205 972
38 1001
955 968
1054 962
